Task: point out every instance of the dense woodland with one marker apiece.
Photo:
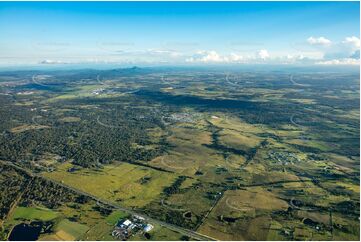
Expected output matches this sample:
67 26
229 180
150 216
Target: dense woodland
87 142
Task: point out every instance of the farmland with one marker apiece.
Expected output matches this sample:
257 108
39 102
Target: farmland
243 156
127 184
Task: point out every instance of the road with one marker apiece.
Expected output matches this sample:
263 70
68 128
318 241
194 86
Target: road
229 82
33 78
294 123
295 83
218 197
187 232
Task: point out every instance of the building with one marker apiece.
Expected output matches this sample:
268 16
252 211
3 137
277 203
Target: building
126 223
148 228
127 227
138 217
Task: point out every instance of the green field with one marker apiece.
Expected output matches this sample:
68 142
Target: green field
159 233
34 213
115 216
118 183
69 230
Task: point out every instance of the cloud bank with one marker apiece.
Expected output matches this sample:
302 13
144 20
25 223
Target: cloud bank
316 51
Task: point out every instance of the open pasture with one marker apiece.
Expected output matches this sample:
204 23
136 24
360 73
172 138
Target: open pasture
126 184
34 213
243 215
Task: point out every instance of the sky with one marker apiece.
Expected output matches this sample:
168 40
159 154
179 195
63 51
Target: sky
180 33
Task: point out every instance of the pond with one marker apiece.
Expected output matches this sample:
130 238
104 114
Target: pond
26 232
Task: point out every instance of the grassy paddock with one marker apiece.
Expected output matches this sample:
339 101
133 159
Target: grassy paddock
119 183
34 213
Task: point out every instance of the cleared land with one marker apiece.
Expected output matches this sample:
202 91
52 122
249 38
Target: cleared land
119 183
236 156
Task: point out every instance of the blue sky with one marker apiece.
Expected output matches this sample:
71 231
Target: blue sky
179 32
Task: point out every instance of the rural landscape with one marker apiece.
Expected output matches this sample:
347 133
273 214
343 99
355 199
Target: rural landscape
177 154
180 121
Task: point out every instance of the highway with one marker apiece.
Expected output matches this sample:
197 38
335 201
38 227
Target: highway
187 232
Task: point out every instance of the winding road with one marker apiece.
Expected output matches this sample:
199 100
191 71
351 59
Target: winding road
229 82
294 123
295 83
38 83
100 81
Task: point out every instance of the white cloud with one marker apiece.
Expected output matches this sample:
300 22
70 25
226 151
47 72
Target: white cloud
324 52
352 41
348 48
50 62
319 41
294 58
355 55
235 57
212 56
263 54
345 61
161 52
336 52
